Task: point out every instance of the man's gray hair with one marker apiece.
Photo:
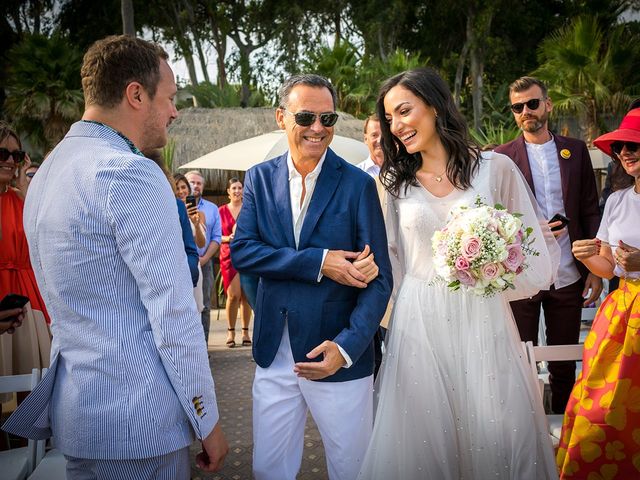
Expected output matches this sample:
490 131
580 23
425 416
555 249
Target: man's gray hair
308 79
194 172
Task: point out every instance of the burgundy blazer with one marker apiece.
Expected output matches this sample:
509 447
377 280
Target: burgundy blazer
579 193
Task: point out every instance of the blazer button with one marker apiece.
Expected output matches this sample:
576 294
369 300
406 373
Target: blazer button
283 311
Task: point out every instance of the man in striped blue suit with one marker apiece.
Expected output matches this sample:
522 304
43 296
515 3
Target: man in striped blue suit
130 385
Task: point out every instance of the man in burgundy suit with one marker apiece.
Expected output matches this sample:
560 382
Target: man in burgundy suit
559 171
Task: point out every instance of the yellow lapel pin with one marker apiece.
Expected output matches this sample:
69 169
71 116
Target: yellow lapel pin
565 153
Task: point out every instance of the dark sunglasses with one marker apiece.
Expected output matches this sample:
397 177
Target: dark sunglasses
532 104
304 119
616 147
17 155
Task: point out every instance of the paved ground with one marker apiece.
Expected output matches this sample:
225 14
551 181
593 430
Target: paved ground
233 370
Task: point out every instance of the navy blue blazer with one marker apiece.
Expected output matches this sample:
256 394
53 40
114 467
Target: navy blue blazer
189 243
344 214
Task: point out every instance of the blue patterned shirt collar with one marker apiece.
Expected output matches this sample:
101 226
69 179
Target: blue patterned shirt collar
129 143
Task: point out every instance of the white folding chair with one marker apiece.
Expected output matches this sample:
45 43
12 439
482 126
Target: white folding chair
51 464
551 353
18 463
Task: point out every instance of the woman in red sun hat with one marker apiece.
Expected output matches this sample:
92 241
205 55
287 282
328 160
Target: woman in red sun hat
601 429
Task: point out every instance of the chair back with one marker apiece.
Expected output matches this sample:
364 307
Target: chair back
23 383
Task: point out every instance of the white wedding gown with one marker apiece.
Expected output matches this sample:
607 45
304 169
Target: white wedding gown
455 399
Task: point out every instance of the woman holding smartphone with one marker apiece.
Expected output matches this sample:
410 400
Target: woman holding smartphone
29 347
197 218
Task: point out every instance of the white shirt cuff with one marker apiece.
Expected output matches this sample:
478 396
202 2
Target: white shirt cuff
347 358
324 256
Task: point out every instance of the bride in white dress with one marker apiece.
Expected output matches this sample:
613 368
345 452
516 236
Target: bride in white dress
454 396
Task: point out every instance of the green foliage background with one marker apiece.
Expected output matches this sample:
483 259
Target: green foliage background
585 50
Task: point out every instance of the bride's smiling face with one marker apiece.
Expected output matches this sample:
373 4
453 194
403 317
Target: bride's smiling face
411 120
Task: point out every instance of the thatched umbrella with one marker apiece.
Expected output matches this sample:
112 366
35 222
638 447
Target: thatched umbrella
198 131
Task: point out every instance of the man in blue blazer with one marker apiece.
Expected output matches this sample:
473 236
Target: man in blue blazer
309 228
130 386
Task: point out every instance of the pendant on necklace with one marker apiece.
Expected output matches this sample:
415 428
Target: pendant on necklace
438 178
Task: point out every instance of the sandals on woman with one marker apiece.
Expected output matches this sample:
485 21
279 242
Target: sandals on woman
246 342
232 343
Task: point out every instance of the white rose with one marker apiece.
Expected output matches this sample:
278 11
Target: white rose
509 226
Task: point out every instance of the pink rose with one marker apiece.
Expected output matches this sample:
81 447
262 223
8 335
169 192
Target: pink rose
519 236
490 271
515 258
465 278
471 247
462 263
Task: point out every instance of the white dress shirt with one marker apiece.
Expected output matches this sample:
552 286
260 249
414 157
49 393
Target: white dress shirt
370 167
545 171
299 210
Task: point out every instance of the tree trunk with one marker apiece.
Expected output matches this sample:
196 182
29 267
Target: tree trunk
592 122
196 39
245 75
383 53
457 84
475 68
220 46
478 29
191 66
128 26
336 22
201 57
35 14
477 90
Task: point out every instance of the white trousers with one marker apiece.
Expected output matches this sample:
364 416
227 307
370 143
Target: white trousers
343 412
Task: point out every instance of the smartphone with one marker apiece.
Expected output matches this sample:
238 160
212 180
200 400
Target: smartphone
558 217
12 301
190 201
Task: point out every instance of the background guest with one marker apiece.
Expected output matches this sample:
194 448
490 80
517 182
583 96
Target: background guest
31 170
232 288
600 429
197 219
29 347
213 233
550 163
374 161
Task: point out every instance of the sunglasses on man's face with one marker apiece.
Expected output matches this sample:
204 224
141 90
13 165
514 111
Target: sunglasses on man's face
305 119
532 104
616 147
17 155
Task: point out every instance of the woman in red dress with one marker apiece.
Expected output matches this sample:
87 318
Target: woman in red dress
230 278
30 345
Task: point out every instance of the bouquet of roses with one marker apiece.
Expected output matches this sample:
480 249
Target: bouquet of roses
482 248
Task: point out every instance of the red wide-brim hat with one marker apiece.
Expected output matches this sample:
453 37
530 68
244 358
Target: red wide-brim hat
628 131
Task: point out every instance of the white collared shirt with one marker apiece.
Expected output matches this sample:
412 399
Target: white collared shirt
547 182
299 211
370 167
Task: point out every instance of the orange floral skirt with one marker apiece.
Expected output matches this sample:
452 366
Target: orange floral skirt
601 429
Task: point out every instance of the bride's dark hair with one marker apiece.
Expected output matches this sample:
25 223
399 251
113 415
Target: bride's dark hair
399 166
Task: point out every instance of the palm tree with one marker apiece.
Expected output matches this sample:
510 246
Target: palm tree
44 95
357 80
588 71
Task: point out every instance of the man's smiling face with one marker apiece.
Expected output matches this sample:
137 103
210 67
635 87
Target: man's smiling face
307 143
